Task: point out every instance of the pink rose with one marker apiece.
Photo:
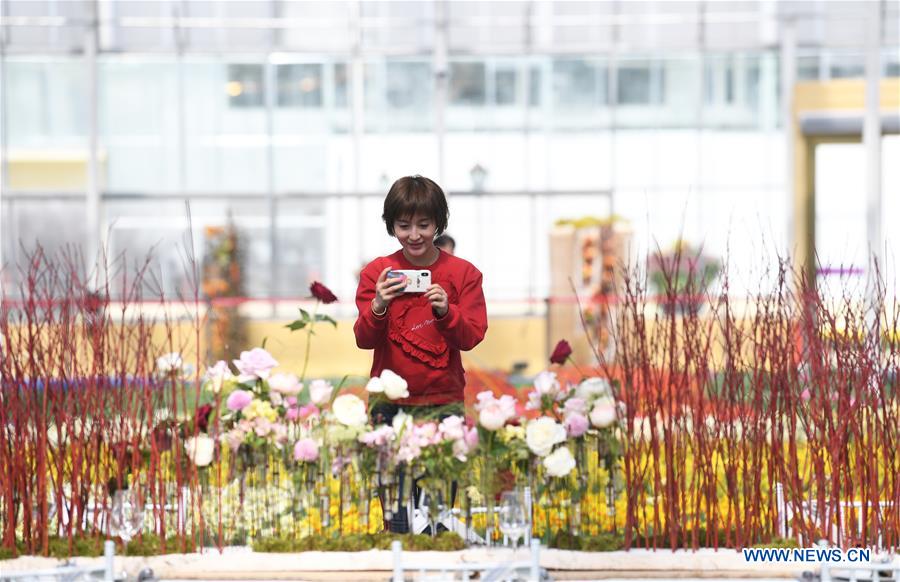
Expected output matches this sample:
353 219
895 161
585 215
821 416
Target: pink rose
320 391
471 437
452 428
576 424
292 414
257 363
306 450
238 400
494 412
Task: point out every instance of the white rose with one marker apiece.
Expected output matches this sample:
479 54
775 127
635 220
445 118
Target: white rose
375 386
603 413
200 449
402 423
542 434
492 416
546 383
217 375
320 391
593 388
559 463
394 385
348 409
286 384
170 362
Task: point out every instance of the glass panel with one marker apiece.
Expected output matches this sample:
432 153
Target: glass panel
245 86
409 85
808 68
52 224
139 123
301 246
49 101
535 81
635 85
577 83
505 81
299 85
467 84
142 227
226 142
341 82
846 65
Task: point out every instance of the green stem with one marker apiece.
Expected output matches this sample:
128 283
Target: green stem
309 331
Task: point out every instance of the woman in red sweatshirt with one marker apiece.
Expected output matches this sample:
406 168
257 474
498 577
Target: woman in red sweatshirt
420 335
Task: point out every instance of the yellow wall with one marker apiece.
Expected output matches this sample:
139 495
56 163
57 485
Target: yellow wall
333 352
839 95
51 170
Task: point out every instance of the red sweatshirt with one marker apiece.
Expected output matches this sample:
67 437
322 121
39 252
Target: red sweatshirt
411 340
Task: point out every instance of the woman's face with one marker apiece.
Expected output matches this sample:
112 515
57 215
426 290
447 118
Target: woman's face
416 235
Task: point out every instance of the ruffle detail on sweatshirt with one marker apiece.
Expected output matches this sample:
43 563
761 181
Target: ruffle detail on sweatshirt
435 354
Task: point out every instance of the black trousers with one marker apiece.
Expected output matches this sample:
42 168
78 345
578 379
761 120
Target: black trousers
384 413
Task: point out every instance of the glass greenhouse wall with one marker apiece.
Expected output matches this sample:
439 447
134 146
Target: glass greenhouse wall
134 124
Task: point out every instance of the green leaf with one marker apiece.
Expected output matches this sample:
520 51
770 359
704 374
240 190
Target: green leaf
323 317
296 324
305 315
265 339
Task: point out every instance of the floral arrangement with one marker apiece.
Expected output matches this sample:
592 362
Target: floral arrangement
682 269
223 285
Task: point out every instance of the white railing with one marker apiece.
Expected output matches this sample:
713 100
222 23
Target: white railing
526 570
854 571
69 572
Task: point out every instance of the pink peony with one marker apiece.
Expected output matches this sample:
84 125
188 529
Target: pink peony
263 426
306 450
292 414
234 438
308 411
257 363
238 400
576 424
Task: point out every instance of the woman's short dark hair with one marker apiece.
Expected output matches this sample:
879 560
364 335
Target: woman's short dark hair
413 195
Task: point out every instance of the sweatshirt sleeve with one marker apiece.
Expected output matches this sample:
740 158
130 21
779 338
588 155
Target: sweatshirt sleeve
369 330
464 324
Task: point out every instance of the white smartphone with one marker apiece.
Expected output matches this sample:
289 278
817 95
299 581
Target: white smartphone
418 281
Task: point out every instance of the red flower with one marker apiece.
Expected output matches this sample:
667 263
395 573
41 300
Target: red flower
322 293
561 352
201 417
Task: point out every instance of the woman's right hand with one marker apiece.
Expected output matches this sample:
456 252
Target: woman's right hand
387 289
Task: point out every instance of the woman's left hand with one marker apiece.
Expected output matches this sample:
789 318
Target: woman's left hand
438 299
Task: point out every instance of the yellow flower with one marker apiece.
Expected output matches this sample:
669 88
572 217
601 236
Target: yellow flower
260 408
511 433
475 495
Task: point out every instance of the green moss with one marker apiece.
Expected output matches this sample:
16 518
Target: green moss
778 543
444 542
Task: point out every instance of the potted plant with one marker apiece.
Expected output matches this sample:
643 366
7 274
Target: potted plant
681 276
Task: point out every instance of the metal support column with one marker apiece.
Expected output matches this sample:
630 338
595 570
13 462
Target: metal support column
4 145
872 133
440 81
93 205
